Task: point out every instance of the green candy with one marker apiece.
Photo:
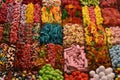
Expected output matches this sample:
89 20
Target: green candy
41 72
58 71
47 72
48 65
64 14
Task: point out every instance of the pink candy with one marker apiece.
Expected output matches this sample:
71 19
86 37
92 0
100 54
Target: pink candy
15 23
114 35
75 59
37 13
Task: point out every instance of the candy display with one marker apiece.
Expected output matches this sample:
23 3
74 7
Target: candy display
51 11
108 3
73 34
47 73
95 35
102 73
23 14
113 36
3 57
5 31
112 19
3 12
76 75
71 13
51 54
97 56
29 13
114 54
89 3
51 33
75 59
59 40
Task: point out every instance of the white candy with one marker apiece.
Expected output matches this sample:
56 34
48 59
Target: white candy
104 78
92 79
92 73
96 77
101 68
108 71
112 75
97 70
101 74
109 77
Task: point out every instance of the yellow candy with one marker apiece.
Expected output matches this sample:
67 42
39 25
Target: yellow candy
99 19
1 63
29 13
116 79
85 13
118 69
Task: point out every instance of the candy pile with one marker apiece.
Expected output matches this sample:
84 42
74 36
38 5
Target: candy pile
97 56
51 11
3 52
75 59
108 3
117 71
110 19
51 33
3 12
94 31
102 74
73 34
42 39
51 54
95 35
49 73
114 54
71 12
4 32
113 36
15 23
76 75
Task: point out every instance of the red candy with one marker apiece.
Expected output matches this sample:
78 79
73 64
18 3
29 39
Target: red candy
74 2
1 32
36 13
76 76
3 12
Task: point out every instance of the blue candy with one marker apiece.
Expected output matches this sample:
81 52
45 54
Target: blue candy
51 33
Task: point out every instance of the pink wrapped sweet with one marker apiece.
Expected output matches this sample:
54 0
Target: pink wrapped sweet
75 59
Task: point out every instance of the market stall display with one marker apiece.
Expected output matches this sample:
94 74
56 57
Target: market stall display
59 40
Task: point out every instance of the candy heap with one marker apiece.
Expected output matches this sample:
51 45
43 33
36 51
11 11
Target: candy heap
113 36
51 33
73 41
71 12
102 74
51 11
110 19
111 22
75 59
95 36
114 54
59 39
49 73
73 34
76 75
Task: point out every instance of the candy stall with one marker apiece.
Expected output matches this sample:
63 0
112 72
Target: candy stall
59 39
